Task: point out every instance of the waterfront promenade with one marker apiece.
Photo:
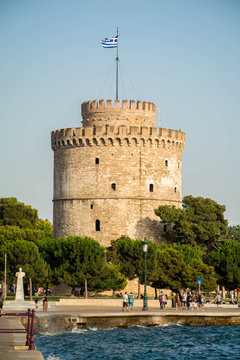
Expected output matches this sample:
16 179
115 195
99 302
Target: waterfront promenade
12 345
63 318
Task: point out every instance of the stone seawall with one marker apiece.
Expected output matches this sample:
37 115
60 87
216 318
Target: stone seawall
53 324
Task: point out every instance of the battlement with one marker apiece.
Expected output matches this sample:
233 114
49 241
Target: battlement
99 106
139 113
117 135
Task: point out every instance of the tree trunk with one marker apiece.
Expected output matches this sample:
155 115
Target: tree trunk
113 293
85 284
223 292
30 288
156 296
138 288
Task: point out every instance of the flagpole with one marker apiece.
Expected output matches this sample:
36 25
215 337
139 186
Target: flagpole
117 60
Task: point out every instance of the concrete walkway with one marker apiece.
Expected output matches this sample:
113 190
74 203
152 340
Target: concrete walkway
12 346
65 318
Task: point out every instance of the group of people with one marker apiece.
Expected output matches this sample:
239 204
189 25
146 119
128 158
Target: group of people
189 300
128 301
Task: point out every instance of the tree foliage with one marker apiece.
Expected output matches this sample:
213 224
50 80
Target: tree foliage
234 233
14 213
74 259
128 254
226 261
197 268
193 232
172 269
179 268
111 279
24 254
200 222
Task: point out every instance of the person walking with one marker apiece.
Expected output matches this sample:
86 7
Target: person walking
177 299
189 299
130 301
163 301
125 301
202 301
184 300
45 303
1 301
218 300
160 299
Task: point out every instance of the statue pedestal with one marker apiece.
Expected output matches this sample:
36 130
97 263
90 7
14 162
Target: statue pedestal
18 305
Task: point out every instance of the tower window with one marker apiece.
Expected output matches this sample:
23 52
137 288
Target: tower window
97 225
91 206
113 186
97 161
175 189
166 162
151 187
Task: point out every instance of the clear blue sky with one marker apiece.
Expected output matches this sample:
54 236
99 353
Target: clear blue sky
182 55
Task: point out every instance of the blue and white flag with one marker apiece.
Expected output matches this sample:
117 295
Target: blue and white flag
110 43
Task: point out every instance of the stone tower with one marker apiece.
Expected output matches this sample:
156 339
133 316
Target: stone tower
111 173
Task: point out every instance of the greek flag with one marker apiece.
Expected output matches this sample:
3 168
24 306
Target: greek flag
110 43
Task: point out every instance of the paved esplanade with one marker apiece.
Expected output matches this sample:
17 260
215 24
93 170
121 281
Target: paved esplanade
64 318
12 346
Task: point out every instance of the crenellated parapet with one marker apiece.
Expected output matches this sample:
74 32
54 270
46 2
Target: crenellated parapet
111 173
117 136
109 113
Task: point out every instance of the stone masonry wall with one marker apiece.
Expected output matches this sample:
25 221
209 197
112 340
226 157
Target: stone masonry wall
116 176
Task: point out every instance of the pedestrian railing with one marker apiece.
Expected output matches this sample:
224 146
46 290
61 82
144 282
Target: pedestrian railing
29 331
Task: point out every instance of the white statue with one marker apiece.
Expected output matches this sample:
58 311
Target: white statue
19 303
20 293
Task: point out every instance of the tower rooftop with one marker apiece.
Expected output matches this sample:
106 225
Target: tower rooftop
140 113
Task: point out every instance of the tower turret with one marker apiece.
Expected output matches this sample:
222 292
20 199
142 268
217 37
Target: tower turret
135 113
110 174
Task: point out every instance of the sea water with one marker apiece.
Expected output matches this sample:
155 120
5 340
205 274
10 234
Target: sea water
159 342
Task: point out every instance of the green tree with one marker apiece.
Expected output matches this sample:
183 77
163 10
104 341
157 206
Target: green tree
15 213
172 270
74 260
188 252
233 233
111 279
45 227
24 254
128 254
226 262
180 266
197 269
20 222
13 233
199 222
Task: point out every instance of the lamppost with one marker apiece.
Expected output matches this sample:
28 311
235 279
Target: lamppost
145 299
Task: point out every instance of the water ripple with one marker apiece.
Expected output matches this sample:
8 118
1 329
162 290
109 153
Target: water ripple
139 343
